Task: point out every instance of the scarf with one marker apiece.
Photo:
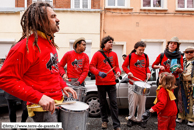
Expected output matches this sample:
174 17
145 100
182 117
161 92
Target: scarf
172 55
170 93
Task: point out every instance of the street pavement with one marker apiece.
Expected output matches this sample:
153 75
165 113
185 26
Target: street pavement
95 123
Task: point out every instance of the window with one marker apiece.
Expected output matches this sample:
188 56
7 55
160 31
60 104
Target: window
153 3
185 3
7 4
81 4
120 3
48 1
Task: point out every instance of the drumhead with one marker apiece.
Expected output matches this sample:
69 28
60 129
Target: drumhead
142 84
78 106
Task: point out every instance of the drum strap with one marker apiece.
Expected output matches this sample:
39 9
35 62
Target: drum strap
107 60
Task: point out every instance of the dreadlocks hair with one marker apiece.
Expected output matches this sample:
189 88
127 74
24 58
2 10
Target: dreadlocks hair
34 19
167 80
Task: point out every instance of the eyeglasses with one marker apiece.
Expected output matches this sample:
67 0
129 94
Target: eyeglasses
189 52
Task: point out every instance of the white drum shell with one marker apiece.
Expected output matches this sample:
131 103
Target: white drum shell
74 116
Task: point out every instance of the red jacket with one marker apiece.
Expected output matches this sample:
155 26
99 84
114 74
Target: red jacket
29 75
166 65
164 106
99 64
77 65
139 66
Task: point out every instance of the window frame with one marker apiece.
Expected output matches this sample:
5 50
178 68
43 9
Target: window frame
51 1
116 1
81 7
163 5
185 5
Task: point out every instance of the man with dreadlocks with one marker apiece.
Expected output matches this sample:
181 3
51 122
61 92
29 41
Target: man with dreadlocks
30 71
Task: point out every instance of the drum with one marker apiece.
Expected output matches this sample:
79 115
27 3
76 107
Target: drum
74 116
80 90
141 88
174 67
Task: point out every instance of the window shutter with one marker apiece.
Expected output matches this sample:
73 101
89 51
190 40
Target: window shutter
146 3
121 2
76 3
84 4
190 3
181 3
111 2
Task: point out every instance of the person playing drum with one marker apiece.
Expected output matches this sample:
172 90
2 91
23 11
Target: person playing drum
104 65
30 71
138 63
168 61
77 63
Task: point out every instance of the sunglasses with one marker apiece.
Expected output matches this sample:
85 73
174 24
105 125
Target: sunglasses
189 52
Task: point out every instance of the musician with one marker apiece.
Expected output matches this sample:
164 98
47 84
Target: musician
138 63
102 64
30 71
187 81
77 63
170 57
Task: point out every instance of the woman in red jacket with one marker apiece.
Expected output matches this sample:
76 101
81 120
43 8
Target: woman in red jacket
165 105
170 57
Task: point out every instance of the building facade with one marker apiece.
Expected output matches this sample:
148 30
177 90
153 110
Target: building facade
152 21
78 18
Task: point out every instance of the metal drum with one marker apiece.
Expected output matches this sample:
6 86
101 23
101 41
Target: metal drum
141 88
80 90
74 116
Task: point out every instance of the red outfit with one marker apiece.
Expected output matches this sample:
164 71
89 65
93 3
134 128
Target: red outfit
139 66
100 64
77 65
166 110
29 75
166 64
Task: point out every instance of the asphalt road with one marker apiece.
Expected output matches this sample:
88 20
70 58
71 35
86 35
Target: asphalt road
95 123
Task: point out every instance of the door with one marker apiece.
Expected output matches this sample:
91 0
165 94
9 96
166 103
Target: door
119 50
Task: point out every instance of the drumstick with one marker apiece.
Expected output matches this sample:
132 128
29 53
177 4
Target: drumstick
63 103
110 70
137 78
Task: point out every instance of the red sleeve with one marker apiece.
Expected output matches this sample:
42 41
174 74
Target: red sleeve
117 69
162 101
147 66
85 69
11 73
157 61
93 64
181 61
62 63
62 83
125 65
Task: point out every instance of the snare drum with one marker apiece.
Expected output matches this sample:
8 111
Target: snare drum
74 116
141 88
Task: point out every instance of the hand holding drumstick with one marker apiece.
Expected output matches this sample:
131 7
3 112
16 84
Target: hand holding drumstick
102 74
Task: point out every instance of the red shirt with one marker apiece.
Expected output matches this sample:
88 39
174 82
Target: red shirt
164 106
77 65
166 63
139 66
99 64
29 75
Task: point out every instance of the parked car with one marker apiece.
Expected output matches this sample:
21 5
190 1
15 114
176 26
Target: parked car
122 94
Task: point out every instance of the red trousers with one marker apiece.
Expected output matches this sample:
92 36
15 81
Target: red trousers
166 122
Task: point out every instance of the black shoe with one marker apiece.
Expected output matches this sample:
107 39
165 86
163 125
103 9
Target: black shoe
143 124
129 123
